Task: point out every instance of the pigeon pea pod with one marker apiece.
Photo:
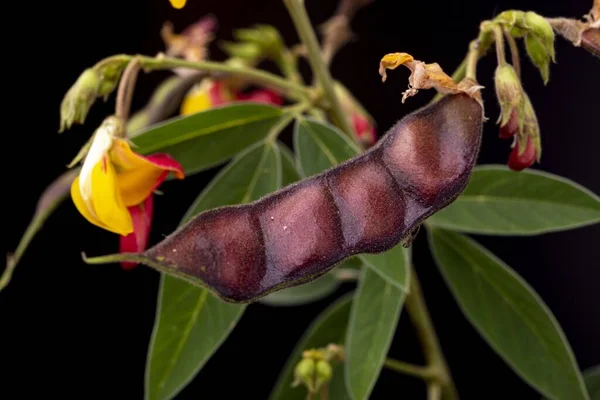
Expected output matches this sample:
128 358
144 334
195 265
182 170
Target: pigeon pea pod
367 204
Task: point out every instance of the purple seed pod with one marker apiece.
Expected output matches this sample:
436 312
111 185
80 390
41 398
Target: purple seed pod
367 204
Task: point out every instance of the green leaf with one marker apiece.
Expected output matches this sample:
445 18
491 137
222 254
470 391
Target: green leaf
538 55
509 315
591 377
386 265
320 146
250 175
498 201
373 320
304 293
209 138
328 327
191 324
288 166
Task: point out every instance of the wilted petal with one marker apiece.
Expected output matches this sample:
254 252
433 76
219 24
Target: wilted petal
423 76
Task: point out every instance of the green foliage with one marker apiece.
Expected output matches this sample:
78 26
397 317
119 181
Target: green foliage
375 314
498 201
320 146
191 323
509 315
209 138
328 327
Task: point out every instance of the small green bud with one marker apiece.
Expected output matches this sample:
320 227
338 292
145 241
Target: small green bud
265 38
508 91
79 99
244 51
304 373
531 127
324 373
538 55
110 73
542 29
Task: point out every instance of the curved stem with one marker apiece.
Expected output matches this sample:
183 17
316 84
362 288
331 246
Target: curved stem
514 52
499 39
251 74
126 89
309 39
419 315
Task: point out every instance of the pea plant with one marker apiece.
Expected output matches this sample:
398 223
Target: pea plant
285 225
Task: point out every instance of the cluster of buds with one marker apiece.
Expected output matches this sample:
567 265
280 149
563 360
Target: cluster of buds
517 119
314 370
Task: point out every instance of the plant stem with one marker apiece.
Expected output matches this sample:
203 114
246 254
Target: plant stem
257 76
499 39
434 391
514 52
471 61
419 315
425 373
309 39
50 199
126 89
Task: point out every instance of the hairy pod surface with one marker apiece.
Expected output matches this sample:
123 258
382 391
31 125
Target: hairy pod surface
367 204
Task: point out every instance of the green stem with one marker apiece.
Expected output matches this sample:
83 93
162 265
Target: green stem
425 373
419 315
251 74
309 39
499 39
126 89
472 60
514 52
50 199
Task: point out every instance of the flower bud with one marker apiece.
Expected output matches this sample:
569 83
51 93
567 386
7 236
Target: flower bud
508 91
542 29
538 55
110 74
244 51
79 99
323 372
304 373
522 155
511 128
255 43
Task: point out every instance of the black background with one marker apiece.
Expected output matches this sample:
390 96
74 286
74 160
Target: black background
76 330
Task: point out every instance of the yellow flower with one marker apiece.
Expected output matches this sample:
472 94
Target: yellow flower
177 3
113 179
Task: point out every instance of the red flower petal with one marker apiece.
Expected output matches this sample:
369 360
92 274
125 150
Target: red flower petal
136 242
168 163
363 129
217 95
518 162
511 127
262 96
